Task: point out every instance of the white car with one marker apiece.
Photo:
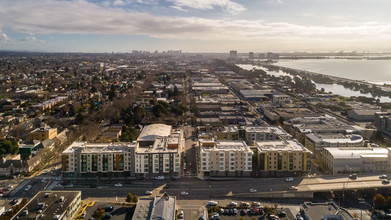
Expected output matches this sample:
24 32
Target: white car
184 193
253 190
233 204
384 176
43 180
148 192
212 203
118 185
289 179
180 216
27 188
159 177
256 204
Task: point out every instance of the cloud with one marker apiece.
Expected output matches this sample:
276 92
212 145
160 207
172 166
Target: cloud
228 5
83 17
31 39
118 3
4 38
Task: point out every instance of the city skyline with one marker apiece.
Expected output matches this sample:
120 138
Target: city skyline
194 26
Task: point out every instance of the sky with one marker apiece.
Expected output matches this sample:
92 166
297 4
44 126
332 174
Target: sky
195 25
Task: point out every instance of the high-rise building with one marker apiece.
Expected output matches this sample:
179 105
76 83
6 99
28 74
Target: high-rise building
233 54
251 55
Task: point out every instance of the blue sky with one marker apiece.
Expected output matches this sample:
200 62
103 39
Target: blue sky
195 25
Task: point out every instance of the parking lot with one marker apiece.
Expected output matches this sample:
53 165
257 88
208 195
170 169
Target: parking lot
119 212
246 214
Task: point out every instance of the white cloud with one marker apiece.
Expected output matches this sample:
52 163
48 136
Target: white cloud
227 5
118 3
4 38
31 39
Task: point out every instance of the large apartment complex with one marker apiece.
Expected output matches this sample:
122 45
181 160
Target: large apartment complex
225 158
83 159
281 158
157 151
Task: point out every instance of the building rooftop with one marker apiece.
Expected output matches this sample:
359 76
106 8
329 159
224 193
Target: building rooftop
335 138
270 129
329 210
280 145
224 145
84 147
357 152
151 132
54 203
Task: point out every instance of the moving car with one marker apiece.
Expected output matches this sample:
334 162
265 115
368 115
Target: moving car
353 176
184 193
159 177
289 179
27 188
253 190
180 216
148 192
118 185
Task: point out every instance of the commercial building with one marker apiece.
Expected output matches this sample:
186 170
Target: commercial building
224 158
383 122
83 159
362 111
161 207
259 133
159 150
357 159
61 205
316 142
42 134
325 211
281 158
300 127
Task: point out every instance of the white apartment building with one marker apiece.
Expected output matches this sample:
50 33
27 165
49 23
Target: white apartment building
83 159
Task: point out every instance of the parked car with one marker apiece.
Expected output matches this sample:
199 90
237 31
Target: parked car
256 204
244 204
109 208
148 192
384 176
293 188
159 177
180 216
353 176
282 214
385 181
233 204
212 203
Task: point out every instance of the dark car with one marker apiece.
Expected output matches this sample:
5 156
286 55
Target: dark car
243 212
282 214
109 208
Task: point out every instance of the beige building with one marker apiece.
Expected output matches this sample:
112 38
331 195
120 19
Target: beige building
356 159
282 158
225 158
42 134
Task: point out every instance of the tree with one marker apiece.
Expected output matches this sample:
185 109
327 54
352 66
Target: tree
8 147
129 198
135 199
379 200
176 91
79 119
